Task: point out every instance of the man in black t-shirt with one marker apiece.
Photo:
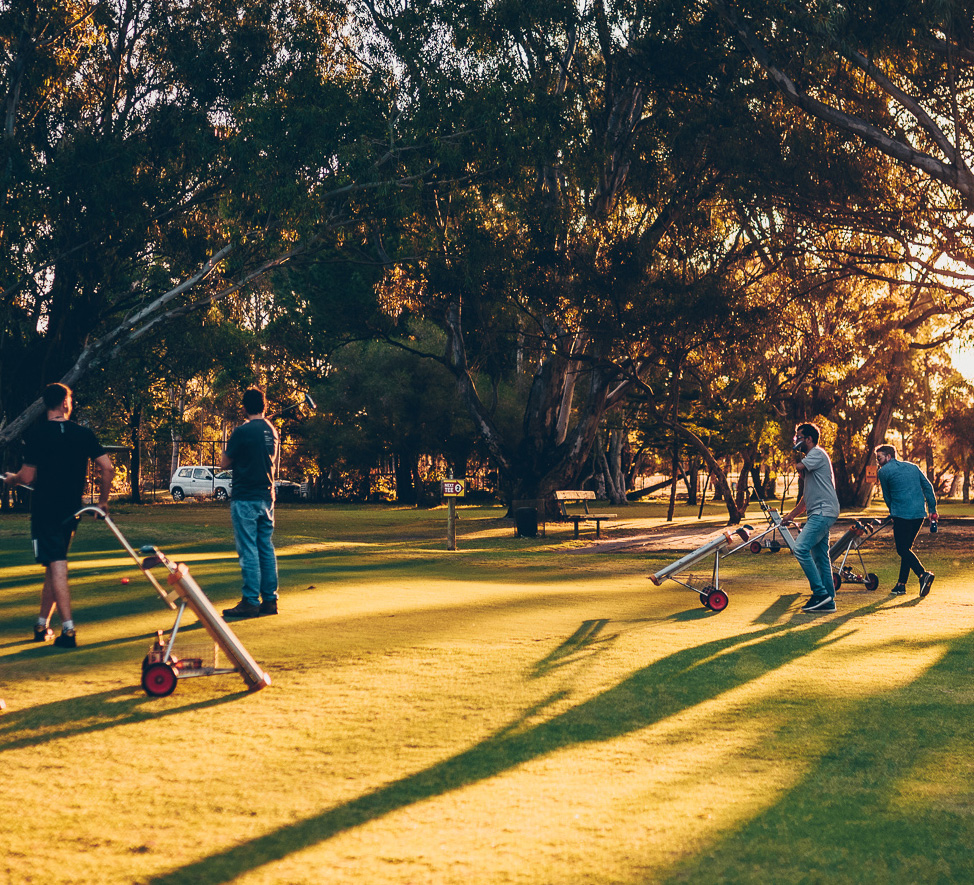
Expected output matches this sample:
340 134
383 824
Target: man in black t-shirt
252 454
56 455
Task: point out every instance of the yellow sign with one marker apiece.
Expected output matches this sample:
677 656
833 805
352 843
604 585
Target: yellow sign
453 488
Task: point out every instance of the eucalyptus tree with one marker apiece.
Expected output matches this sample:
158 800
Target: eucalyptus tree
588 249
158 156
895 76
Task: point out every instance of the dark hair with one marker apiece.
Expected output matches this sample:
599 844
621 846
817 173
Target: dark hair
887 450
253 401
809 430
55 394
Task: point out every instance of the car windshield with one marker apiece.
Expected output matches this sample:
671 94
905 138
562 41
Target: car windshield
224 474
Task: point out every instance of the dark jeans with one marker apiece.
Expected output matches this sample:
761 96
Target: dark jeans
905 532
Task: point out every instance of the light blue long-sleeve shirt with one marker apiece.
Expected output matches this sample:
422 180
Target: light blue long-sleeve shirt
905 488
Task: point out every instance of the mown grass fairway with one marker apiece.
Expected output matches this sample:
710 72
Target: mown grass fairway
513 712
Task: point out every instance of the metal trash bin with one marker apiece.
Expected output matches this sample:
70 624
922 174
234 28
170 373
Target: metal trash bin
526 522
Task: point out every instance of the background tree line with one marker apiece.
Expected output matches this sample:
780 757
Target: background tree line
557 236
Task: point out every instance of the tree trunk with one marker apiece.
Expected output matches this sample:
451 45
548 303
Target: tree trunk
178 410
135 467
718 474
863 490
743 495
405 487
675 461
551 454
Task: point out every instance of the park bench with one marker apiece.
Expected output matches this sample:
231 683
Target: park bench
579 496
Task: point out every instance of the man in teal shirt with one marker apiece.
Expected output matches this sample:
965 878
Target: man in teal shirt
906 490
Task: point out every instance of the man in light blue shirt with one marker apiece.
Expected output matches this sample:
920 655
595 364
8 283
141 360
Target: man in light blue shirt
820 502
906 490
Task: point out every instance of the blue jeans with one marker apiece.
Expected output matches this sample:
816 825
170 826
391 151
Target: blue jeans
253 527
812 553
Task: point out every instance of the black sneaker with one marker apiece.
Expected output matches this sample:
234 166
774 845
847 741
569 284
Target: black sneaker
43 634
268 607
926 582
242 610
67 639
900 590
824 604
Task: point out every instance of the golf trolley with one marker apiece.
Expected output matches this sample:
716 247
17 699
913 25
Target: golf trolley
711 596
777 529
161 669
852 540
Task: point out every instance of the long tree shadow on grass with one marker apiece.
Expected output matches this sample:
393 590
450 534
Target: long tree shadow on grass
888 798
585 641
663 689
88 714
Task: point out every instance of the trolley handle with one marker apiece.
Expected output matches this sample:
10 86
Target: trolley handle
166 597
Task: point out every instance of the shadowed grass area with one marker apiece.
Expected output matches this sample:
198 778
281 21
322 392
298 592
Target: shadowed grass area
511 712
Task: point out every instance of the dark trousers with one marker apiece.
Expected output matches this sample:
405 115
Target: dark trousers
905 532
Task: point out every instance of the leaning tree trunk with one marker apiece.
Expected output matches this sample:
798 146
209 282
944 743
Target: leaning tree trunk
734 515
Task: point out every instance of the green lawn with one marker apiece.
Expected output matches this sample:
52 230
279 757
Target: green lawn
517 711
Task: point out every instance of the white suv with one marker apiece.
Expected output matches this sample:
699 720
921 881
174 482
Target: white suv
200 482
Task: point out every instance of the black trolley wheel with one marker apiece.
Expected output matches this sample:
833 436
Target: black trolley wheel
159 680
717 600
774 547
836 580
872 581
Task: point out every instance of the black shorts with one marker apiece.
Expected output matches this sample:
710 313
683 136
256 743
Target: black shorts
52 538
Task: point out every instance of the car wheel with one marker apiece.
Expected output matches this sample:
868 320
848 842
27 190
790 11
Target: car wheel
221 494
177 494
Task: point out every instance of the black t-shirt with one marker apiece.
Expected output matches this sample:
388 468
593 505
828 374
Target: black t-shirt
252 449
60 450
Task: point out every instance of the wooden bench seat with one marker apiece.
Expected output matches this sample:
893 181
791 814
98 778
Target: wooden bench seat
580 496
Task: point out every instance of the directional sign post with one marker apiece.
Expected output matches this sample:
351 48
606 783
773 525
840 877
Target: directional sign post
452 489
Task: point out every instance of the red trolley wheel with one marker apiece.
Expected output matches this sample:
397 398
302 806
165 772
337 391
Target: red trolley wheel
755 546
159 680
717 601
872 581
836 580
